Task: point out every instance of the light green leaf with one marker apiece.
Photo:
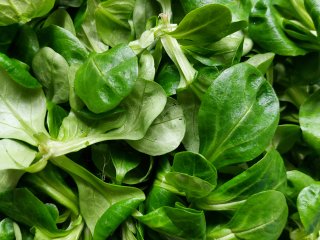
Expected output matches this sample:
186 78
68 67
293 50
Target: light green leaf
112 20
165 133
52 70
22 111
15 155
23 11
308 204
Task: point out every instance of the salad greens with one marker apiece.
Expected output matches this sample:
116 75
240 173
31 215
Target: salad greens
159 119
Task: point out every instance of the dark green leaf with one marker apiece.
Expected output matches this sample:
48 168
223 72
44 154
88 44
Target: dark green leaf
22 206
176 223
309 117
267 174
193 174
63 42
25 44
17 72
247 224
265 29
197 26
238 116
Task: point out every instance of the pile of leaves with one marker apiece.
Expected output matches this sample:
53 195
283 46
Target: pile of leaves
159 119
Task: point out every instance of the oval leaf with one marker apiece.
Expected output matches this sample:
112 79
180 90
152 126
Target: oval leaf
204 24
267 174
309 117
238 116
166 132
105 79
308 204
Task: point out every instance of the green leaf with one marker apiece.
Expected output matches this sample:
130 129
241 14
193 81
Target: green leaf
283 133
7 229
296 182
51 182
309 117
25 45
17 72
190 105
121 163
22 206
193 174
112 20
143 10
247 224
238 116
308 203
168 77
23 11
142 106
7 36
267 174
22 111
55 117
52 71
105 79
110 204
261 61
266 30
197 25
15 155
86 28
165 133
61 18
313 8
63 42
176 223
147 70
